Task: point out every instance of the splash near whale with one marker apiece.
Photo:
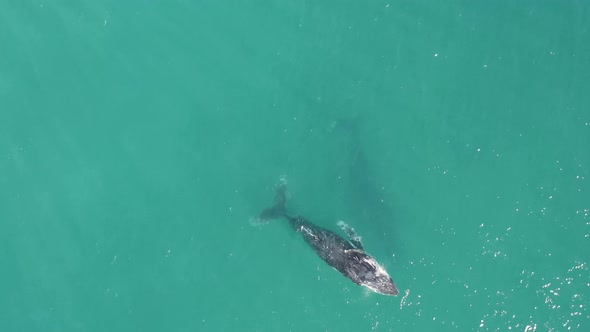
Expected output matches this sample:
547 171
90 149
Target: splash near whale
345 255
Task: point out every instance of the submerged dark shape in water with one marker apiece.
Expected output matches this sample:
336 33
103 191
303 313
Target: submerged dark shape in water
367 192
346 256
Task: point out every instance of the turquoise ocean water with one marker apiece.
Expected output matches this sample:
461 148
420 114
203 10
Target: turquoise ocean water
138 138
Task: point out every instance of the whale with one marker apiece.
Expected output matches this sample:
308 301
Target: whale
346 255
371 203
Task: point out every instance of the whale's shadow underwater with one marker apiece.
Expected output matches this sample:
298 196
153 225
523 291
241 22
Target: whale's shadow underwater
346 256
366 192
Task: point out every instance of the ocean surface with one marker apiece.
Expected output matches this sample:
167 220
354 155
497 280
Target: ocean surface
139 139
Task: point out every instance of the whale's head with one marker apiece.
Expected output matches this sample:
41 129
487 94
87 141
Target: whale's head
371 274
382 284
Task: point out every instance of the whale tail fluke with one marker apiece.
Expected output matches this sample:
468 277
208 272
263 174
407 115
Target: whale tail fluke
278 210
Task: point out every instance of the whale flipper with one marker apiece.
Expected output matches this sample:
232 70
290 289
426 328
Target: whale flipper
353 237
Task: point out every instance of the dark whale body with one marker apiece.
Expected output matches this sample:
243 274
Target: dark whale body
346 256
